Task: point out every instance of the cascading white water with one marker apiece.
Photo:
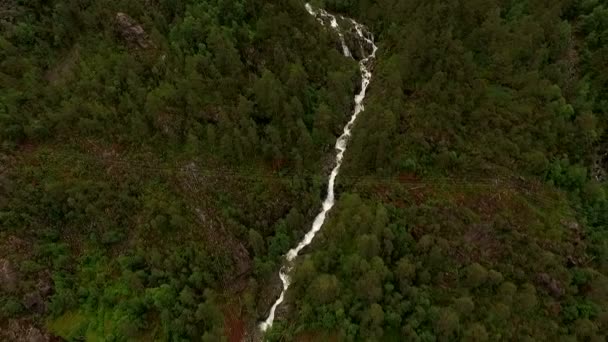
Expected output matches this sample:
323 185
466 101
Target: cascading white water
340 146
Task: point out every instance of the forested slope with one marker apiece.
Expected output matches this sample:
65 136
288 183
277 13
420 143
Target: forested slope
158 157
474 194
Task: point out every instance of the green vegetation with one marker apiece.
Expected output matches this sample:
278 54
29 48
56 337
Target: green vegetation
142 144
475 196
159 157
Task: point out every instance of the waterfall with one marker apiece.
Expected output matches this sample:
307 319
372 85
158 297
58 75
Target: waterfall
341 143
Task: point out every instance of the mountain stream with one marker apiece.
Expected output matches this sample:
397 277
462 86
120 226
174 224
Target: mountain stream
363 37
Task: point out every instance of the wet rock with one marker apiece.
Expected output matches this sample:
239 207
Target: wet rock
357 44
131 31
273 290
8 276
358 47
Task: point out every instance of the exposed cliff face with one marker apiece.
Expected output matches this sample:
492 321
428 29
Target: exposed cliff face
132 32
600 164
355 36
8 276
357 44
24 330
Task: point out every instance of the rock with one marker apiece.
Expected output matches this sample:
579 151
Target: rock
8 276
33 301
355 45
131 31
24 330
572 225
599 169
35 335
359 47
552 285
45 286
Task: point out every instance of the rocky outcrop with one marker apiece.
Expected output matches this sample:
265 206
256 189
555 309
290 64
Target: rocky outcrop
359 47
132 32
553 286
24 330
8 276
599 169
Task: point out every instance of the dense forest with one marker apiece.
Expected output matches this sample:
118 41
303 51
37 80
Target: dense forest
474 204
158 157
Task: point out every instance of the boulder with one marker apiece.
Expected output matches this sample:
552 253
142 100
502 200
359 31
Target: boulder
131 31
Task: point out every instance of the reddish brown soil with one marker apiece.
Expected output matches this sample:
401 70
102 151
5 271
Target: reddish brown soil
234 325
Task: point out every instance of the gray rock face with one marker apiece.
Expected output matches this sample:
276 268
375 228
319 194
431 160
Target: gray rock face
24 330
358 46
35 335
131 31
599 170
8 276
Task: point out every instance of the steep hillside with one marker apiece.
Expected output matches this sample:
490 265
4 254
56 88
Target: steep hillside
158 157
473 203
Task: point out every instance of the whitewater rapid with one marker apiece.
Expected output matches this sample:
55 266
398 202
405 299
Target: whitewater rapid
366 75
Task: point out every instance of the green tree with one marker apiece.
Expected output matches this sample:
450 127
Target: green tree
475 275
464 306
269 96
256 241
476 332
324 289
